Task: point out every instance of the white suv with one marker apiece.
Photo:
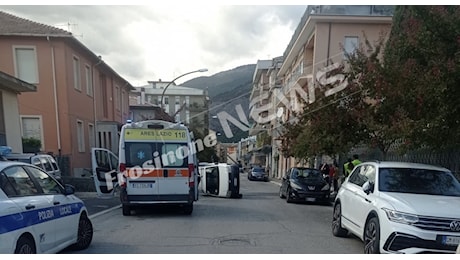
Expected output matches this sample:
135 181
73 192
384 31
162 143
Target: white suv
396 207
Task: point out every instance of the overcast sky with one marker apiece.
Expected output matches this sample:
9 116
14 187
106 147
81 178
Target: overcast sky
151 42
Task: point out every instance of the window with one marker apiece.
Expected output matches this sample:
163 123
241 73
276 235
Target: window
31 126
169 155
92 140
361 174
2 122
26 64
54 163
350 45
80 136
123 102
21 181
166 101
46 164
89 81
49 186
116 97
76 74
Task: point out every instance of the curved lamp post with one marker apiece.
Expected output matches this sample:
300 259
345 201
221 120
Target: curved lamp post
164 90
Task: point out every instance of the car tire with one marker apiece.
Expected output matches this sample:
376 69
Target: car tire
372 236
288 195
85 233
188 209
25 245
281 193
337 229
126 210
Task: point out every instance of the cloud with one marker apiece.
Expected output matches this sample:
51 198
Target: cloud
150 42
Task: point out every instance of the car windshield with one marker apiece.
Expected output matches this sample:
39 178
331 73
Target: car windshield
258 170
308 173
418 181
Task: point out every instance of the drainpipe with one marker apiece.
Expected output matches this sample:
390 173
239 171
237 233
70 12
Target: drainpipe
94 100
56 110
328 44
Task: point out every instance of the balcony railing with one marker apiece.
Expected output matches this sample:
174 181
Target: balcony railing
307 70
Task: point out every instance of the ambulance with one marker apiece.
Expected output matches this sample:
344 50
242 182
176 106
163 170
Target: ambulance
157 164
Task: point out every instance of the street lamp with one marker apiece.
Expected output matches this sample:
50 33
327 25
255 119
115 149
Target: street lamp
164 90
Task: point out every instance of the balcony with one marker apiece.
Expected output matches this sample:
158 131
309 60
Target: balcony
300 78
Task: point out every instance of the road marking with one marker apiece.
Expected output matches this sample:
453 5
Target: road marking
104 211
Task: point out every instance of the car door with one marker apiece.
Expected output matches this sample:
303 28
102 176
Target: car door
358 202
66 209
104 171
362 200
37 213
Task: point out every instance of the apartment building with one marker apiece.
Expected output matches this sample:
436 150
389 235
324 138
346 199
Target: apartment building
183 104
80 102
323 36
264 97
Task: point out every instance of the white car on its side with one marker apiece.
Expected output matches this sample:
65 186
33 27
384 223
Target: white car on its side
38 214
396 207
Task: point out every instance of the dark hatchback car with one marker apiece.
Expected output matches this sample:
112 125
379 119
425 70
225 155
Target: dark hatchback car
305 185
257 174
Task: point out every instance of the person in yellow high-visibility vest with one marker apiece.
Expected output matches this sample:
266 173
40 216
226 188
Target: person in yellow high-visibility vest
347 168
356 160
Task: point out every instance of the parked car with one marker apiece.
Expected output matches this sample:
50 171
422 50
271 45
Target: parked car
305 185
44 161
257 174
397 207
38 214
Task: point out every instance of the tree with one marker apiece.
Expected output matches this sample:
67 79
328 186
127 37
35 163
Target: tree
424 50
208 153
366 112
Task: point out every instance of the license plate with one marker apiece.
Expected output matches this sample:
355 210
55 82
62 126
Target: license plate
450 240
142 185
311 199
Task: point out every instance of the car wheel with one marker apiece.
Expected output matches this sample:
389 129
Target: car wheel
188 209
126 210
372 236
337 229
288 195
281 193
85 233
25 245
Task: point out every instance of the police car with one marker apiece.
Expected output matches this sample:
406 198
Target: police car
38 214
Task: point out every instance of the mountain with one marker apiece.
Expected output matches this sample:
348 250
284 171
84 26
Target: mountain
226 90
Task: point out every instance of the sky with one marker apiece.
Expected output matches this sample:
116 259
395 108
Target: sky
163 41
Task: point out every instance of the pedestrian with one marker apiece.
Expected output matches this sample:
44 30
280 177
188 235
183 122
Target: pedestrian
324 168
333 176
346 167
356 160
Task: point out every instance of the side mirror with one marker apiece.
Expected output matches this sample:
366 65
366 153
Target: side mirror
368 187
69 189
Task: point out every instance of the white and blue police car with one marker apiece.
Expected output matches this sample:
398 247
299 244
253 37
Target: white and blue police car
37 213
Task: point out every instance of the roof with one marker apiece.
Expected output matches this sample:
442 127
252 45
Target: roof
391 164
14 84
13 25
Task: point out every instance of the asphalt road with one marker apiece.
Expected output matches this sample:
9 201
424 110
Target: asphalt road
260 223
96 205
